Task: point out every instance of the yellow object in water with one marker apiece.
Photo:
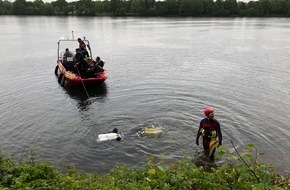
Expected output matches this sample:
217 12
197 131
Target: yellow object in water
151 130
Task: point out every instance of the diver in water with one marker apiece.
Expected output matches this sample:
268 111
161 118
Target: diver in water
209 129
113 135
148 130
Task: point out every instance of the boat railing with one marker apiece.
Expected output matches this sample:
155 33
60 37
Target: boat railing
68 43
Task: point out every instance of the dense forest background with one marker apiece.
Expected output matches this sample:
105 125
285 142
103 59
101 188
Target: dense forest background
194 8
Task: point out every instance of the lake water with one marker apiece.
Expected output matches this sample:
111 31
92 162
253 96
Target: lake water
162 71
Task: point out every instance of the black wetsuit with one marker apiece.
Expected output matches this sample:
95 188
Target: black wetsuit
81 64
209 125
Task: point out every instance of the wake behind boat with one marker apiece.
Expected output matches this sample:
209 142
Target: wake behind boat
68 69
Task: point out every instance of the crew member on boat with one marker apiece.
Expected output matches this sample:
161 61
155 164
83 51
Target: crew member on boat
81 65
81 43
67 53
83 47
95 67
68 60
99 64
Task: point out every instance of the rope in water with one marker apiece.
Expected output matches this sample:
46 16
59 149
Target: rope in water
83 83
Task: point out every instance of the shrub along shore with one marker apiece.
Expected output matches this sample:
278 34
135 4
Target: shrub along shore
241 171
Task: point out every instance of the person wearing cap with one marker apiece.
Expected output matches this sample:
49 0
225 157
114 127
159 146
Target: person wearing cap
210 131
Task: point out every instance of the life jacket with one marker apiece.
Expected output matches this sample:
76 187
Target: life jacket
209 133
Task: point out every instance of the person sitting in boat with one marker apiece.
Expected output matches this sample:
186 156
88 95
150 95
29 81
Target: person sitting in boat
67 54
81 65
98 65
209 129
68 60
95 67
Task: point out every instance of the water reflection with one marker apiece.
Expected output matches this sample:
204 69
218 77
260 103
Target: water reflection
96 92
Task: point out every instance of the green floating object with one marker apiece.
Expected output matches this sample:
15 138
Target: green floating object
151 130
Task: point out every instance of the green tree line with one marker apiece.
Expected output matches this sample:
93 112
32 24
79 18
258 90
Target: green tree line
185 8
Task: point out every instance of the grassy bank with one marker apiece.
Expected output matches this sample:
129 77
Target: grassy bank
241 171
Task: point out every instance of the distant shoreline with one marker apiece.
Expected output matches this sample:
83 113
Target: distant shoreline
152 8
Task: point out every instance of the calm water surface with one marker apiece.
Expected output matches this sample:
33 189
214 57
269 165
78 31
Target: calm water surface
161 71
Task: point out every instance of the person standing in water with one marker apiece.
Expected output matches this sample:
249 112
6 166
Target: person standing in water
210 131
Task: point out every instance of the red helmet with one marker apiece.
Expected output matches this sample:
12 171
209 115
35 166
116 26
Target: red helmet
208 110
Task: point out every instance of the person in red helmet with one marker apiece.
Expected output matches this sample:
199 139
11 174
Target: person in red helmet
209 129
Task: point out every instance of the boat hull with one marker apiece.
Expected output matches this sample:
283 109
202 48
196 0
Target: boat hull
74 79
